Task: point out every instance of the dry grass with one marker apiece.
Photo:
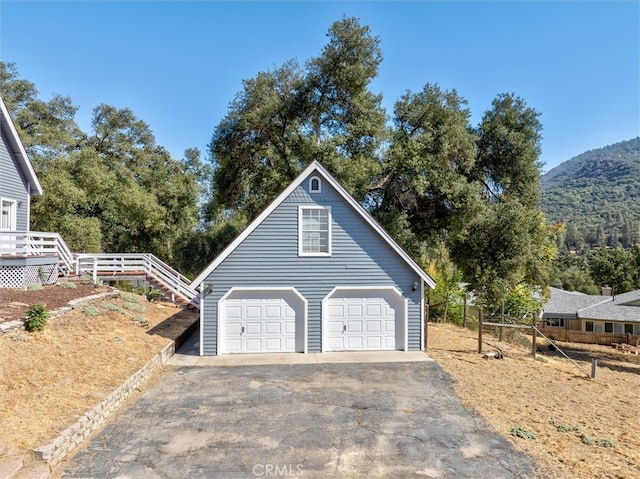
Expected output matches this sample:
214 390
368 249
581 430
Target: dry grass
49 379
552 398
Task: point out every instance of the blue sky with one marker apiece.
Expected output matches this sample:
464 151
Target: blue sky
178 65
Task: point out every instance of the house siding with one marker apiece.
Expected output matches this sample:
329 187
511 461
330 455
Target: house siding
13 184
268 257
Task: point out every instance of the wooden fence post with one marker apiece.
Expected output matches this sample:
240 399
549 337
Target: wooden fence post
464 312
480 330
501 320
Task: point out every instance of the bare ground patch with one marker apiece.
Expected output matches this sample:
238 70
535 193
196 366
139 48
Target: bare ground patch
575 418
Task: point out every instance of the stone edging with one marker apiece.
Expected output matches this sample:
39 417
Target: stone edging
73 436
18 324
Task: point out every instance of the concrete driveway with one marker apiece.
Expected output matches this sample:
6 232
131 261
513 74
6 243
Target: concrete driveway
326 419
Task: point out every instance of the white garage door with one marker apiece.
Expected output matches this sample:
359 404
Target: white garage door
260 322
363 320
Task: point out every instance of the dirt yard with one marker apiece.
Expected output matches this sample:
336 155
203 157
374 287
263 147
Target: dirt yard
49 378
584 428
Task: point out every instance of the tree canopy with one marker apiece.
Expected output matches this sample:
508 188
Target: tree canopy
462 199
112 189
427 174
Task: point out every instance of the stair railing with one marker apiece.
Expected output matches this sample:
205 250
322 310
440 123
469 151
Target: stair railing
149 265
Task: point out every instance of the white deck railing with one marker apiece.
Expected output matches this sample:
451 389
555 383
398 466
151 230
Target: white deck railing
146 264
36 243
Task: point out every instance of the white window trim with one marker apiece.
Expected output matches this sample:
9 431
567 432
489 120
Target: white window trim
13 212
311 190
329 239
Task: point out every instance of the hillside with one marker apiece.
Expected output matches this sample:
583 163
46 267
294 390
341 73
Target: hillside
597 195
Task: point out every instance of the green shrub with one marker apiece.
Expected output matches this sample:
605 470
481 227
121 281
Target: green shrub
140 321
133 307
19 337
597 442
523 433
69 285
123 285
112 307
129 298
36 319
35 287
563 427
90 310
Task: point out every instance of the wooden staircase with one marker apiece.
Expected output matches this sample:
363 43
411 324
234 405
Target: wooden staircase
129 266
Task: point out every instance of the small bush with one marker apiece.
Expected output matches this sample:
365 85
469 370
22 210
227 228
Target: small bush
69 285
563 427
523 433
36 319
123 285
35 287
112 307
590 441
129 298
90 310
140 321
133 307
19 337
541 359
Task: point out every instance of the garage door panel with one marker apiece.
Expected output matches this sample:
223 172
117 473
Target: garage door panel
374 310
273 328
253 328
373 326
261 321
253 345
234 327
251 312
234 345
354 326
234 312
273 311
374 342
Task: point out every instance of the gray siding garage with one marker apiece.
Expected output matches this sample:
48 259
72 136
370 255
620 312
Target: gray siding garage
317 271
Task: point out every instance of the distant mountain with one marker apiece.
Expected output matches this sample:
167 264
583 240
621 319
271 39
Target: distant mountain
597 195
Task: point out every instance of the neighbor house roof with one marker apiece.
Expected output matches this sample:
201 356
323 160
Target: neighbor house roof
622 307
18 148
318 169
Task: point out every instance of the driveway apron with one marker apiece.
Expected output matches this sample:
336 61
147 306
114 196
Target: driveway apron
356 420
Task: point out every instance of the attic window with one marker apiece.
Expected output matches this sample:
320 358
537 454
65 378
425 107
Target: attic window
314 231
315 185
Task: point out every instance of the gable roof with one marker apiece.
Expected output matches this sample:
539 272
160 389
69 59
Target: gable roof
570 302
316 167
622 307
18 148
